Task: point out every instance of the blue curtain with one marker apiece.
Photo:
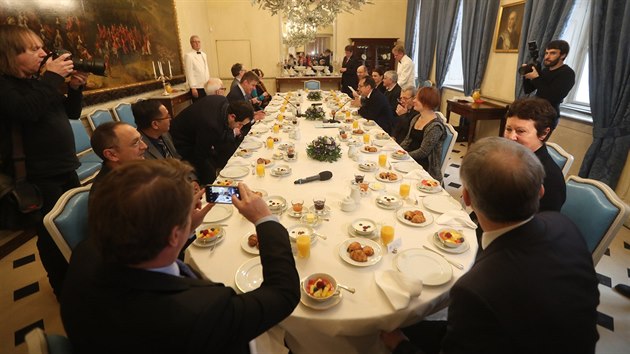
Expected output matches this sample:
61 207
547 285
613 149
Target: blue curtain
428 35
447 31
609 89
478 20
543 21
410 26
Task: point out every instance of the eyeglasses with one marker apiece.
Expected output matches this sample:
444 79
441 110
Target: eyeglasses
168 116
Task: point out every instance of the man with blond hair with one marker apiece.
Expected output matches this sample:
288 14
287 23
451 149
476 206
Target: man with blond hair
196 67
405 67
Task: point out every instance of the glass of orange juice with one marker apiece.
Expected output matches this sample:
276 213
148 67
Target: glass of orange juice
387 234
269 143
366 138
280 117
382 160
355 124
276 128
303 243
405 187
282 109
348 115
260 170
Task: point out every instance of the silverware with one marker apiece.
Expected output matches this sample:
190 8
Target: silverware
455 264
347 288
323 237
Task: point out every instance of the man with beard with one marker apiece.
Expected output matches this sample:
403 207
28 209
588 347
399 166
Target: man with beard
555 80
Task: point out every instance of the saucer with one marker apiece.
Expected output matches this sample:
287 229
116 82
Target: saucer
319 305
324 212
295 214
352 233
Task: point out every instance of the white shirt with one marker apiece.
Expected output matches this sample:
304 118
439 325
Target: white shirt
489 236
406 72
196 68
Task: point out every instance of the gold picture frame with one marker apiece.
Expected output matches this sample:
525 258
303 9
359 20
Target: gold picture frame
131 36
507 35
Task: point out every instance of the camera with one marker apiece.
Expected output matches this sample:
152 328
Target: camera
533 59
94 66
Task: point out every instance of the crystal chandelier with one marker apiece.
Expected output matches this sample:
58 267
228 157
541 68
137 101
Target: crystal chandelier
305 16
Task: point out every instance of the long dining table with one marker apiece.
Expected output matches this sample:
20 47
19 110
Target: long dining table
350 322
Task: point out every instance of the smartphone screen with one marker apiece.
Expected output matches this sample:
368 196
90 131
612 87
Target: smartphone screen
221 194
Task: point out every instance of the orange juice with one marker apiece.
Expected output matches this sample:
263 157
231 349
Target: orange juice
280 117
404 190
260 169
303 243
387 234
282 109
276 128
355 124
269 143
382 160
366 138
348 116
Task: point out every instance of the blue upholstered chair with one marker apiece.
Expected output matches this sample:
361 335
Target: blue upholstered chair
447 145
90 162
123 113
39 342
67 221
98 117
596 210
312 85
563 159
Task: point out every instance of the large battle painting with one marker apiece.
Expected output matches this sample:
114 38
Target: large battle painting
129 36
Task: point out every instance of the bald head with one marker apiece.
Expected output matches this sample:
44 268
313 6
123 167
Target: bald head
362 72
214 86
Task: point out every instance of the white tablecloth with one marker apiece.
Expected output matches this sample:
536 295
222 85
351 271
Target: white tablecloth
353 325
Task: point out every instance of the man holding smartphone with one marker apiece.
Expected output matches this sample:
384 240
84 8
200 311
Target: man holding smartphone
127 291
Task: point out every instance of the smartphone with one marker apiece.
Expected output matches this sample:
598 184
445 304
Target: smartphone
221 194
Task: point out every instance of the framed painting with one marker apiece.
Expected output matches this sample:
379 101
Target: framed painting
134 39
507 37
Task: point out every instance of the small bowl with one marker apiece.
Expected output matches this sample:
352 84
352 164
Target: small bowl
451 238
320 294
363 227
212 235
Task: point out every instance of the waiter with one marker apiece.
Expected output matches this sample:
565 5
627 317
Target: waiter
196 65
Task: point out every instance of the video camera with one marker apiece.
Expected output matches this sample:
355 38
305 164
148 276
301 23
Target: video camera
533 59
94 66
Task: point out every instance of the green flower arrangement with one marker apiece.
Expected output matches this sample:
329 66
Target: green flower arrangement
324 148
314 113
314 96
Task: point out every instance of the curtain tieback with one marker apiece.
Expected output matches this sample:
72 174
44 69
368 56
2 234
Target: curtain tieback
612 132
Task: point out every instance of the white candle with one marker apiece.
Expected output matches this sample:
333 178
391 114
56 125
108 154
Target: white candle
154 73
160 67
170 71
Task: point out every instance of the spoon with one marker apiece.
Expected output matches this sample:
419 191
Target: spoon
346 288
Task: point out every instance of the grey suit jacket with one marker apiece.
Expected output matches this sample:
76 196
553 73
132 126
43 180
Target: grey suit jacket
153 152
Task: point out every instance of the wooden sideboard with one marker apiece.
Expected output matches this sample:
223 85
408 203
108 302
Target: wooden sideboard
175 102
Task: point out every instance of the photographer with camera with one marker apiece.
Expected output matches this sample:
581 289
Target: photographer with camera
555 80
33 106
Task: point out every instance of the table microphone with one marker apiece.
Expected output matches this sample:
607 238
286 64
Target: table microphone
322 176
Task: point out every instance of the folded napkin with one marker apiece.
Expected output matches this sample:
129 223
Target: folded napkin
419 174
252 138
237 161
456 218
398 287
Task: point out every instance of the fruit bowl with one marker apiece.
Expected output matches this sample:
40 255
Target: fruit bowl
320 286
451 238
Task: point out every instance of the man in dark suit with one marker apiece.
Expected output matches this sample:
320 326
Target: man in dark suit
392 89
154 122
206 132
533 287
375 106
243 92
126 292
348 70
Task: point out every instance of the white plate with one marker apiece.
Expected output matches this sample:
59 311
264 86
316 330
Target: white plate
352 233
397 156
376 186
389 201
406 166
294 232
440 203
425 265
369 123
281 170
271 163
324 212
318 305
385 179
249 275
217 239
284 146
362 225
218 213
234 172
375 258
370 152
434 239
245 245
261 191
275 202
289 159
400 214
367 166
316 221
428 189
251 145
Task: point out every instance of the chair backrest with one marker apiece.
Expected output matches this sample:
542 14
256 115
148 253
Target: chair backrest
596 210
67 221
123 113
563 159
447 145
81 137
39 342
312 85
98 117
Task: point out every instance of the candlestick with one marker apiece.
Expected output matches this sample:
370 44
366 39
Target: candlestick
170 71
154 73
160 67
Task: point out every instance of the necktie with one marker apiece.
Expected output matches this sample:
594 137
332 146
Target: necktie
184 270
165 151
198 52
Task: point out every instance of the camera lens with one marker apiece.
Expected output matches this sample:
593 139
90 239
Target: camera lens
525 69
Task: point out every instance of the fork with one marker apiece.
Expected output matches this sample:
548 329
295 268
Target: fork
455 264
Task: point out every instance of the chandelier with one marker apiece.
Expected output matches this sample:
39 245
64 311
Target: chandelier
305 16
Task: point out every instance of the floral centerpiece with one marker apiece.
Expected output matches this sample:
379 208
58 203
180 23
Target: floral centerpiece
324 148
314 112
314 96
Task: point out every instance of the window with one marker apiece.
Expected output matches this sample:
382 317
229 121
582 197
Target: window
415 48
576 33
455 74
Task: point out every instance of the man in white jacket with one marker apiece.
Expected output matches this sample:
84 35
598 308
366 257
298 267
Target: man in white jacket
196 66
405 69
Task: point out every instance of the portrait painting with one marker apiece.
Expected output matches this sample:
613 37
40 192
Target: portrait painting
508 30
133 39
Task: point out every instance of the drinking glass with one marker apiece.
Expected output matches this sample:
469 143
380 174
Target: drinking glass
297 205
387 234
382 160
358 178
405 187
303 243
260 170
366 138
319 203
276 128
355 124
270 143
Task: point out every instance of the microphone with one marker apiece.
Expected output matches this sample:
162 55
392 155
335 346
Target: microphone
322 176
297 110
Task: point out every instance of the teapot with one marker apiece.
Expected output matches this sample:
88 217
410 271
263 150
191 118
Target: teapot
348 204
